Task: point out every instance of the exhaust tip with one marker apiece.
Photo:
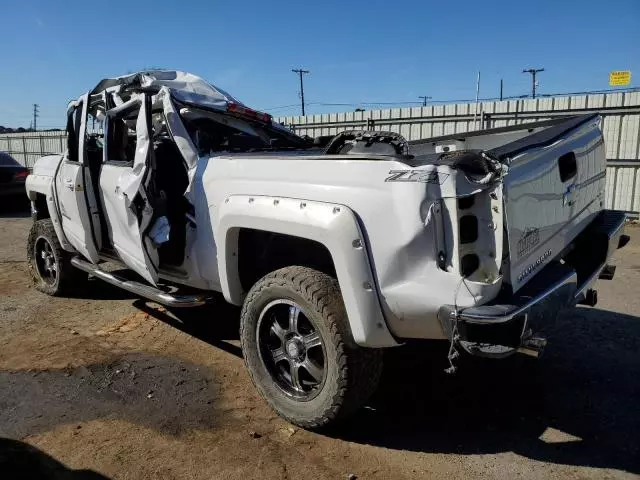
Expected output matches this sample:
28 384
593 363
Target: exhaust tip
608 272
624 239
590 298
533 347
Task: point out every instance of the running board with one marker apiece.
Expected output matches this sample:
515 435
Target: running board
146 291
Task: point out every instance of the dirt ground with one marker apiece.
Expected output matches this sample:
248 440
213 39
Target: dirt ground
105 385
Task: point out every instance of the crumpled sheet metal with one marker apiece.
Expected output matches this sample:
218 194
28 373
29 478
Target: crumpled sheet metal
184 86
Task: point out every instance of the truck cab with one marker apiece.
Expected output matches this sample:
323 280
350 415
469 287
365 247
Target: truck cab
124 188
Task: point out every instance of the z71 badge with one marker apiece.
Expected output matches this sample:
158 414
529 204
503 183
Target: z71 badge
419 176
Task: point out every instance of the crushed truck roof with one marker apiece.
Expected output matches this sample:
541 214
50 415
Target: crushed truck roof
185 87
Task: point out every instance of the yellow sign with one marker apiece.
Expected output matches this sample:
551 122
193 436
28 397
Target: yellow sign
620 78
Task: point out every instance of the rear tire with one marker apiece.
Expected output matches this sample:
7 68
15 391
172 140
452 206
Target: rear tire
334 375
49 265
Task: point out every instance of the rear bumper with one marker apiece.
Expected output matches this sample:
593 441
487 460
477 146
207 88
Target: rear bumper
509 320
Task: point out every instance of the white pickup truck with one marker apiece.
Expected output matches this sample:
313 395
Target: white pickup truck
335 247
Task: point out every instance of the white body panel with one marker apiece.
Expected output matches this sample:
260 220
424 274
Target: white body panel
410 285
72 195
330 224
124 231
393 225
119 186
76 224
42 173
40 182
558 211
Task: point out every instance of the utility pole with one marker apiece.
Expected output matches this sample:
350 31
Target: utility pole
301 72
35 116
424 100
475 114
533 72
501 89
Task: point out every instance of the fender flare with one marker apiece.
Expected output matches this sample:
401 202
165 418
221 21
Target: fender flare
334 226
44 185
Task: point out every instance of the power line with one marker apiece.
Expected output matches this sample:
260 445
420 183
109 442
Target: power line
301 72
463 100
533 72
279 107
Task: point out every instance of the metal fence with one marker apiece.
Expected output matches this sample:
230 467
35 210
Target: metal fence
623 180
27 147
620 113
621 128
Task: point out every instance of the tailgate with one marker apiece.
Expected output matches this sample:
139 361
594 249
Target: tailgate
554 189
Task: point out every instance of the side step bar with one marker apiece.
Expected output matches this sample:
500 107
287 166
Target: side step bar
146 291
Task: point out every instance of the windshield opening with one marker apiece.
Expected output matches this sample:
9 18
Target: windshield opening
216 132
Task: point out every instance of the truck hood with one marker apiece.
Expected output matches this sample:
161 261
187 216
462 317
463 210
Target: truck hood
46 166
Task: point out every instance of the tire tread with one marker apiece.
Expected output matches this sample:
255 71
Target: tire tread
359 368
69 277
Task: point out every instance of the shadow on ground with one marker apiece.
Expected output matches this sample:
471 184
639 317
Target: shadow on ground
214 324
578 405
163 393
21 460
96 289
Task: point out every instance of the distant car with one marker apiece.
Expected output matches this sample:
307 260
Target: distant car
12 177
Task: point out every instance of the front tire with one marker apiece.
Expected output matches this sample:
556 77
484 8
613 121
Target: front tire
49 265
298 348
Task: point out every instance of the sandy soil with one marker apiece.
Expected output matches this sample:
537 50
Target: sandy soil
105 385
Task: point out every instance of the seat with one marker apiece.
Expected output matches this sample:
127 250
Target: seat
171 181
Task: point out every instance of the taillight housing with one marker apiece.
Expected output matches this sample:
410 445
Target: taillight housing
21 175
468 230
243 111
477 240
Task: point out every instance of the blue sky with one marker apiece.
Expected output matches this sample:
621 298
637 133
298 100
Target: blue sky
366 51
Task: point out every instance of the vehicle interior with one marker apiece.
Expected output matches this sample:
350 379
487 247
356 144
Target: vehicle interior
212 133
167 177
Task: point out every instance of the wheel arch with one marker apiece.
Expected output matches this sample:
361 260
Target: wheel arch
41 192
334 227
261 252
